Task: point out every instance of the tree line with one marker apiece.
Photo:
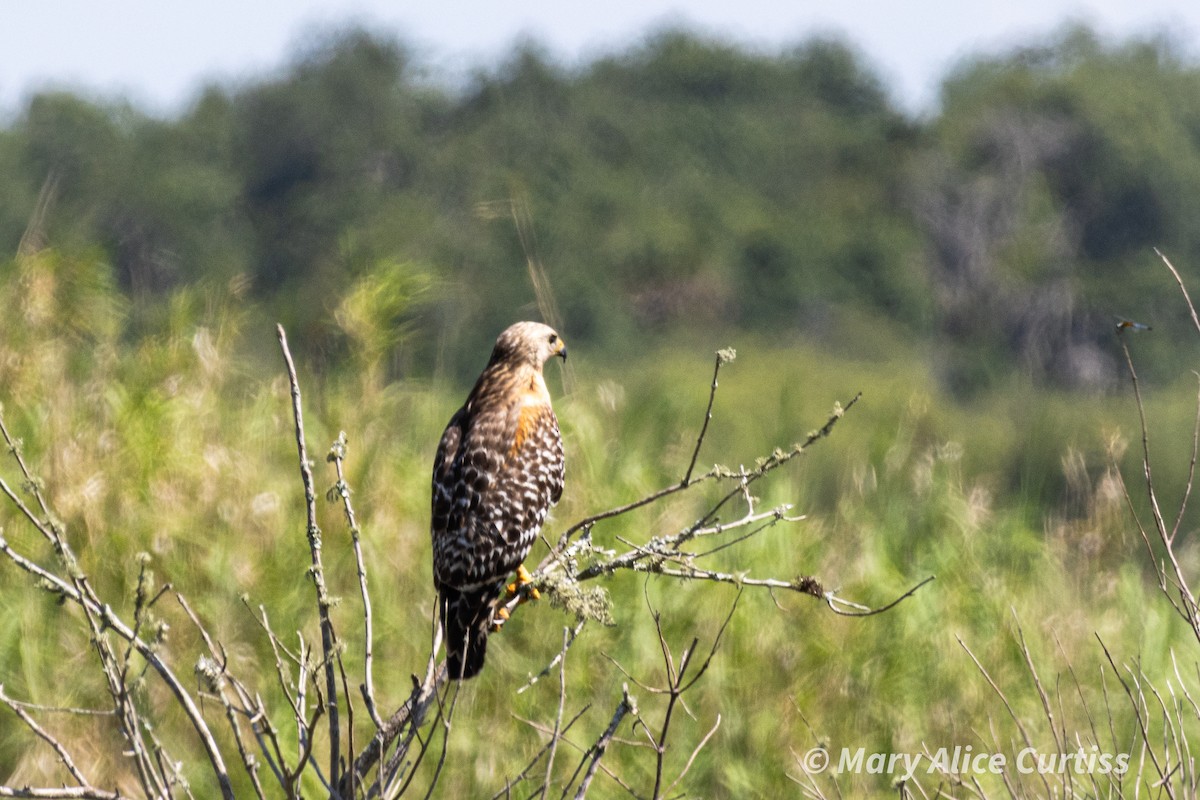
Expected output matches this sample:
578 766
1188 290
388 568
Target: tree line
683 183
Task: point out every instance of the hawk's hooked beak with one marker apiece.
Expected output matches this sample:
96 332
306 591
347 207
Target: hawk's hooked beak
562 351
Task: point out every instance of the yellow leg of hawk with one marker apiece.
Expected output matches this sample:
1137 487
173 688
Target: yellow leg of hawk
522 589
524 579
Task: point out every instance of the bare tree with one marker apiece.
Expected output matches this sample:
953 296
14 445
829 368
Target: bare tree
337 747
1000 255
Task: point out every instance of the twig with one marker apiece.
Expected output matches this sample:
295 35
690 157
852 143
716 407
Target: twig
558 657
87 792
349 721
558 717
45 736
110 620
1191 475
1138 709
509 783
743 479
435 676
861 611
1182 288
84 712
1059 736
337 455
676 687
408 716
1186 606
328 637
695 752
999 692
444 716
723 357
628 705
220 661
674 693
34 486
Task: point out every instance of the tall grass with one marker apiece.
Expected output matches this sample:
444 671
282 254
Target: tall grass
178 445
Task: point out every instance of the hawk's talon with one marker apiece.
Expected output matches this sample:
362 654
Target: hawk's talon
523 586
499 619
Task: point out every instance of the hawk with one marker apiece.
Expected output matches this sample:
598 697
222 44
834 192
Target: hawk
499 468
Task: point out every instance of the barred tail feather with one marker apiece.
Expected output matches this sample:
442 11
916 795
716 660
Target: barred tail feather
466 622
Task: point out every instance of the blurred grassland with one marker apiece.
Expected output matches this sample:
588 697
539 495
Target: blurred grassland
180 445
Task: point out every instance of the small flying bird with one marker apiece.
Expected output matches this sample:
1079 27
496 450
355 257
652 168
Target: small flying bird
1129 325
499 468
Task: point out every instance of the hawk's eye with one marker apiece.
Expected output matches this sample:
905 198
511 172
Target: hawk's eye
553 338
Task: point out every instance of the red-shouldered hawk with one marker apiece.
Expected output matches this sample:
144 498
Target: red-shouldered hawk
499 468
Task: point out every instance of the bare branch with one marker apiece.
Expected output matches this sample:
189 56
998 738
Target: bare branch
723 357
217 676
558 717
695 752
42 734
1138 709
1191 474
105 616
999 692
32 484
1184 601
835 602
561 737
628 705
328 637
1182 288
87 792
409 716
341 490
776 459
558 657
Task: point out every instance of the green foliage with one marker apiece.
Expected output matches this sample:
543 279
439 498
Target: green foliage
375 312
961 271
173 454
1057 169
683 182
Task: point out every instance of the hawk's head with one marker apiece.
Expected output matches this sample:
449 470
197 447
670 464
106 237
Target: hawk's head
529 343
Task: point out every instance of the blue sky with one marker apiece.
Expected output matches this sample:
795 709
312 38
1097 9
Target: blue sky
159 53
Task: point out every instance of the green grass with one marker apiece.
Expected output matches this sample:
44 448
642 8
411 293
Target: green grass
180 446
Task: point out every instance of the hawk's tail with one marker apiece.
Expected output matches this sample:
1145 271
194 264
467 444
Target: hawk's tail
466 622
